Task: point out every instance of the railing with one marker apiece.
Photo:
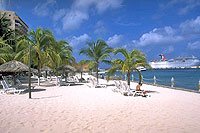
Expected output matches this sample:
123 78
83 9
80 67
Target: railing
171 82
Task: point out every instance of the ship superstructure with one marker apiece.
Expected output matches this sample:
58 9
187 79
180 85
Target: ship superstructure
179 62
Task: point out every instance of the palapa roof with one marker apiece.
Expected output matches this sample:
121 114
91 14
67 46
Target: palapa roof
46 68
68 67
13 66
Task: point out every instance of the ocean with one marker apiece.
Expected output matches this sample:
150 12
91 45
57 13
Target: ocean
183 78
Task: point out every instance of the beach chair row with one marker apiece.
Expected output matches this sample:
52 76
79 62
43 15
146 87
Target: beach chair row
93 83
7 89
125 90
10 88
70 81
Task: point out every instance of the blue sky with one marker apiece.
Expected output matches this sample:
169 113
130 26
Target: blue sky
171 27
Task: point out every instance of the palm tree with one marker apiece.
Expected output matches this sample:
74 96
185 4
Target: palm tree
5 51
4 25
97 52
131 61
60 54
80 66
39 40
5 31
8 40
45 50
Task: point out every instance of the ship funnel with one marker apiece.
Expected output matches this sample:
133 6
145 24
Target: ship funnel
162 57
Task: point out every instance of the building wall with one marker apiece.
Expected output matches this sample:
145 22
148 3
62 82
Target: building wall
16 22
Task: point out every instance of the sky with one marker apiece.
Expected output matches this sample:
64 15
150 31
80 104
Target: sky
169 27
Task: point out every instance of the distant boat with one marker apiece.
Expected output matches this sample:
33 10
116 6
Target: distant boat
179 62
141 68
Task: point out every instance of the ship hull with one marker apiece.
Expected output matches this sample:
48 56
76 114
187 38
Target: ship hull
175 64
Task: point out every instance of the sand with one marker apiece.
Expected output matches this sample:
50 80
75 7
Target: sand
84 109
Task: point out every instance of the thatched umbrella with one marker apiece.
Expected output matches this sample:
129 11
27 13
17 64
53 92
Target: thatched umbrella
46 69
67 68
13 67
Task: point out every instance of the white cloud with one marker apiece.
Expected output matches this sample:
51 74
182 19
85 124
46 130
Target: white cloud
59 14
191 26
100 28
100 5
187 31
103 5
2 4
80 40
170 49
73 19
166 35
43 9
114 40
80 11
194 45
190 6
184 6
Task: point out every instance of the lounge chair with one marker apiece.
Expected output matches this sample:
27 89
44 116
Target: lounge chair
62 83
20 85
126 90
117 85
7 89
140 93
97 85
76 79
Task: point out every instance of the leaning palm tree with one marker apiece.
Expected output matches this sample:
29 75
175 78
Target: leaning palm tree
131 61
97 52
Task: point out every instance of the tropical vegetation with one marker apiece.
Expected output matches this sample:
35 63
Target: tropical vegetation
97 52
46 51
7 40
131 60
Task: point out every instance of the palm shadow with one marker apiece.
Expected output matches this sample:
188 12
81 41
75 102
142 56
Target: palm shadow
46 97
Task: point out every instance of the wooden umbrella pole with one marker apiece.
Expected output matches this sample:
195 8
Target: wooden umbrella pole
29 73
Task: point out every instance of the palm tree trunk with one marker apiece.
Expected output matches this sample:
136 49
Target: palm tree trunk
81 72
97 73
128 78
81 75
39 72
39 76
140 76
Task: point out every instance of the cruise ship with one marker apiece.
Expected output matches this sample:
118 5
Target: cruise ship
179 62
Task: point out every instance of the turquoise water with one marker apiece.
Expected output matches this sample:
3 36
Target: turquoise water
183 78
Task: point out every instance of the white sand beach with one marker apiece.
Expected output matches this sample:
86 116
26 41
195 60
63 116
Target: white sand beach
83 109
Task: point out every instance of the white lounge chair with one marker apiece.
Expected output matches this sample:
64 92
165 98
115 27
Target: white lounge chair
62 83
97 85
20 85
118 86
7 89
125 90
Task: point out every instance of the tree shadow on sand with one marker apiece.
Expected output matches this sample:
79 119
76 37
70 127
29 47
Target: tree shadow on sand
150 91
47 97
34 90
